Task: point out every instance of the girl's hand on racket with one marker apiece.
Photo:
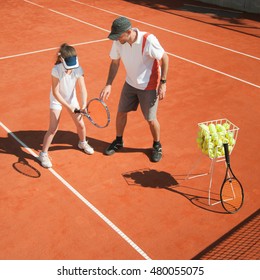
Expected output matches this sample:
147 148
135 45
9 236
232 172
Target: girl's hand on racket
72 109
79 111
105 93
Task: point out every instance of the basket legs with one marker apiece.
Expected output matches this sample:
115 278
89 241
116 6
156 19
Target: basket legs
210 173
196 164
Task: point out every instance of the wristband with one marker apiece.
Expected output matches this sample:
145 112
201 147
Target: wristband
163 81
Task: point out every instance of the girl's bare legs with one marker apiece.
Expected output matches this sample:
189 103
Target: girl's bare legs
81 130
53 127
80 125
49 135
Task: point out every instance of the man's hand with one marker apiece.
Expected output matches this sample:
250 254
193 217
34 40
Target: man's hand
162 91
104 94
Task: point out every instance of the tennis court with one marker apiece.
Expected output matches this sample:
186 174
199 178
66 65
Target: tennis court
124 207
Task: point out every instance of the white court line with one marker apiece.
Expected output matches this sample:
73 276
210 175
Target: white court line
214 70
34 4
182 58
170 31
65 15
79 20
51 49
82 198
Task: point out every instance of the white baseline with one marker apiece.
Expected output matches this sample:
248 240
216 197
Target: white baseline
82 198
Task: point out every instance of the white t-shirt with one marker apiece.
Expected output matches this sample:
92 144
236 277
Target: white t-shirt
141 60
67 85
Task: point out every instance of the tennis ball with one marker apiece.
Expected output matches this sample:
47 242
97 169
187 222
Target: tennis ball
226 125
229 135
220 143
204 126
212 128
232 142
211 154
218 127
225 140
221 134
199 140
214 137
211 145
211 137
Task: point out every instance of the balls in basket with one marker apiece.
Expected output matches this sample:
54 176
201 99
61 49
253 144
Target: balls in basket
211 138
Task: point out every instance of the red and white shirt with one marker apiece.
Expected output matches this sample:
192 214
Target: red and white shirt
141 60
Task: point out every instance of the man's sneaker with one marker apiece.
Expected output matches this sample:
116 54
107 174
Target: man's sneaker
156 153
114 147
45 160
86 147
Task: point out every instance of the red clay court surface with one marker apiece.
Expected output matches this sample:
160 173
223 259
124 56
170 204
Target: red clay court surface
125 207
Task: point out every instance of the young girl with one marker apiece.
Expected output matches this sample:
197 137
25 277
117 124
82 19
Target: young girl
65 74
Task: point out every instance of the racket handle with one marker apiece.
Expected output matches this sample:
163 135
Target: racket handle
226 153
76 111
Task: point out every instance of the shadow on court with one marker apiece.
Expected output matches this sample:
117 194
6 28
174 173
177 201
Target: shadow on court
26 163
231 19
63 140
151 178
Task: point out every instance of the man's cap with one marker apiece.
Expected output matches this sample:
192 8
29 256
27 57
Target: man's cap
70 62
119 26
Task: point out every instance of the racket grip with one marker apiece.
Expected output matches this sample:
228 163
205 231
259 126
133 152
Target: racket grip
76 111
226 153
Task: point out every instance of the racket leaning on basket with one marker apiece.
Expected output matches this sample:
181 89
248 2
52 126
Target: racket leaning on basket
97 113
231 192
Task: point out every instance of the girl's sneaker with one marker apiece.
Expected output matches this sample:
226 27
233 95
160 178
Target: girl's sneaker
86 147
45 160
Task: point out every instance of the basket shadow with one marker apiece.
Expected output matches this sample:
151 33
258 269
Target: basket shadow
151 178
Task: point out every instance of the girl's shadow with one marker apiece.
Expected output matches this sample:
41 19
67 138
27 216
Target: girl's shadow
26 163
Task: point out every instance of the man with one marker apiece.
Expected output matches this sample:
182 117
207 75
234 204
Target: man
145 83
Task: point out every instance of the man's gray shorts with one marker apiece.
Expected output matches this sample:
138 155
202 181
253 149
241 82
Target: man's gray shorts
131 97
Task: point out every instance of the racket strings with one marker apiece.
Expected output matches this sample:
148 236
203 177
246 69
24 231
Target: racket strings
232 195
98 113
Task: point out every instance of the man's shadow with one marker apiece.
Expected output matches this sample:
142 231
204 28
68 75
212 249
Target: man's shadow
151 178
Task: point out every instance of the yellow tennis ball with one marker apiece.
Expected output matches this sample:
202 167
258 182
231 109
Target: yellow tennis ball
226 125
212 128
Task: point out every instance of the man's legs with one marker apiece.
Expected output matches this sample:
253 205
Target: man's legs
157 147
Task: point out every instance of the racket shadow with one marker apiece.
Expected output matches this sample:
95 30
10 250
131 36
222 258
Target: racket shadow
151 178
25 163
23 167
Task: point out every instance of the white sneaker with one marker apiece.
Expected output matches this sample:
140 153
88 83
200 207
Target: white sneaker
45 160
86 147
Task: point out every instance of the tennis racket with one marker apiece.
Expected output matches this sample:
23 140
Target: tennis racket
231 192
97 113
